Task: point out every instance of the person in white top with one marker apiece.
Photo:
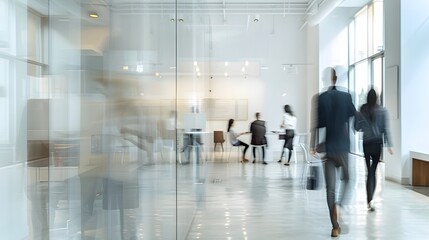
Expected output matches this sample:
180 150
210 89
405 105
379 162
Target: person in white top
289 124
234 141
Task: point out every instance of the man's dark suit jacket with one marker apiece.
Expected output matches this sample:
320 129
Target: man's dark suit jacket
334 110
257 128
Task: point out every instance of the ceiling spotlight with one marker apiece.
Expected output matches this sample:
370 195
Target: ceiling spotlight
197 69
284 94
125 68
226 64
157 74
226 74
195 63
93 15
243 69
181 20
246 63
172 20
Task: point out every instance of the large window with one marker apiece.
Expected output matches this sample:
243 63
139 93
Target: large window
366 58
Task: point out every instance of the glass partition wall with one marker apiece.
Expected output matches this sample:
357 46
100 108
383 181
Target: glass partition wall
112 107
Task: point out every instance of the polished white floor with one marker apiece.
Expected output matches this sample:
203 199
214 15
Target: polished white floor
224 199
255 201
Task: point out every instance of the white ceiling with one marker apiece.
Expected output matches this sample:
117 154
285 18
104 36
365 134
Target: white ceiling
215 10
196 6
225 8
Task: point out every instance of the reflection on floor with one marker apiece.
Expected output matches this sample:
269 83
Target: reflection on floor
217 199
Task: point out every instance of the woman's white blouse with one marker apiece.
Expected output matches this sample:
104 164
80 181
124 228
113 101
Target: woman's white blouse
289 121
233 136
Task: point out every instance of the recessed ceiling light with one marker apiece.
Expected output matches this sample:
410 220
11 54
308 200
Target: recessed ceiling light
246 63
125 68
284 94
226 64
139 68
197 69
243 69
157 74
93 15
226 74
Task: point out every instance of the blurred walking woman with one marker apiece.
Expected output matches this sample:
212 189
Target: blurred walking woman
234 141
289 124
372 121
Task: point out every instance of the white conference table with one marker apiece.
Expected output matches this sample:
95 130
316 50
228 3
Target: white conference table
274 143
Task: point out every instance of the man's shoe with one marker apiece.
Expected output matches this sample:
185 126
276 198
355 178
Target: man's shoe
279 161
265 163
286 164
335 232
253 161
245 160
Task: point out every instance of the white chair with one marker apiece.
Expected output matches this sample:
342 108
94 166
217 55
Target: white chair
309 161
258 150
300 138
231 146
238 151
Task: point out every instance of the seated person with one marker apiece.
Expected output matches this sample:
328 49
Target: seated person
257 128
234 141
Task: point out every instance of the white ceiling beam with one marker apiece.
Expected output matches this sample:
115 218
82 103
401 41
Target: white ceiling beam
324 9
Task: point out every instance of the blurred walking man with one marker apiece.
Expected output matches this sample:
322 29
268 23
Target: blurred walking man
332 111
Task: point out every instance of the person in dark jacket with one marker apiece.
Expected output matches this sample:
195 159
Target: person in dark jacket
372 121
257 128
333 109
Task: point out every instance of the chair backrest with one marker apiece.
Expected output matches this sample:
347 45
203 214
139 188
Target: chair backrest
308 157
305 152
218 137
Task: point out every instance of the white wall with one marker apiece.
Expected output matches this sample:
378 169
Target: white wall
313 71
414 87
392 53
271 42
